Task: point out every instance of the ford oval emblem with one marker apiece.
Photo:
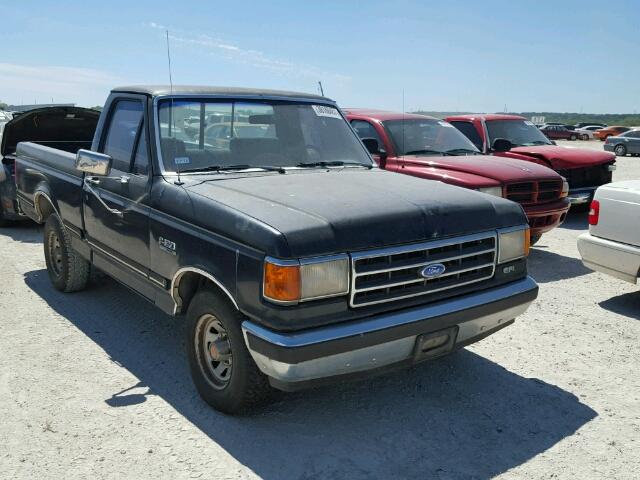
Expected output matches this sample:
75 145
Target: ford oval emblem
433 271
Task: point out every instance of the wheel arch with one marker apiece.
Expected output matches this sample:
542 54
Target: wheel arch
43 205
188 280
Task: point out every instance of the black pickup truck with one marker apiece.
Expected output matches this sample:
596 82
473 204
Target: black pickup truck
294 259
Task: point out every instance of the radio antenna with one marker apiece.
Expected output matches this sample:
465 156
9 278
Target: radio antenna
169 59
320 87
178 182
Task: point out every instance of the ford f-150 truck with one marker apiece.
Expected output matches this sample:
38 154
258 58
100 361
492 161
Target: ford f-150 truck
513 136
295 260
425 147
65 128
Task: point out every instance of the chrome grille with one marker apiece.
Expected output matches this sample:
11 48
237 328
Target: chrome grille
394 273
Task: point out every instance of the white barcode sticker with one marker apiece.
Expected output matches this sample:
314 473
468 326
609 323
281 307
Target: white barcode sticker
326 111
182 160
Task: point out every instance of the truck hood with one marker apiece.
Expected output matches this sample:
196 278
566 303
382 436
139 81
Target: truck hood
562 158
503 170
316 212
49 124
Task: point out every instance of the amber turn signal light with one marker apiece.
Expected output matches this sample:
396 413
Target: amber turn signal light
281 282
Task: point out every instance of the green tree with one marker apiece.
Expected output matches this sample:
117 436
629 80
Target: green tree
3 106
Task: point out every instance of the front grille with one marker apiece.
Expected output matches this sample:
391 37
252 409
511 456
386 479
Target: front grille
395 273
587 177
531 193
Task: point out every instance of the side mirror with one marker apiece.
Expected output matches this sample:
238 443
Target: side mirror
93 163
553 142
501 145
373 147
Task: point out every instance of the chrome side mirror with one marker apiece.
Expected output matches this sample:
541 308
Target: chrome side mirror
93 163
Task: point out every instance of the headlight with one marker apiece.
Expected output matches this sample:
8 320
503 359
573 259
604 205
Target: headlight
292 281
496 191
565 189
513 244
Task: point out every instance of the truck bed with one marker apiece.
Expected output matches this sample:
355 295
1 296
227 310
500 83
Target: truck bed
52 173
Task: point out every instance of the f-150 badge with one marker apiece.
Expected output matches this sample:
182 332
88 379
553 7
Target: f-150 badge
167 245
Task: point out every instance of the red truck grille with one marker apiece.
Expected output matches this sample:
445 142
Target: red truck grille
531 193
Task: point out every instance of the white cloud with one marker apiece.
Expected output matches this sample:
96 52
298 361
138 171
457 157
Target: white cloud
254 58
29 84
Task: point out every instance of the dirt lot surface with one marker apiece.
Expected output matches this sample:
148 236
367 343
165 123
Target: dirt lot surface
95 385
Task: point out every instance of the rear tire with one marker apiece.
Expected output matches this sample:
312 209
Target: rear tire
68 271
620 151
222 368
585 137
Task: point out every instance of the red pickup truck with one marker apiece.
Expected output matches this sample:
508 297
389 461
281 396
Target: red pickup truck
429 148
513 136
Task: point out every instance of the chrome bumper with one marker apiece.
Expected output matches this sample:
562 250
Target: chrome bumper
581 195
383 340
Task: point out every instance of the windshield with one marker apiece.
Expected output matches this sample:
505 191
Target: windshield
518 132
212 135
427 136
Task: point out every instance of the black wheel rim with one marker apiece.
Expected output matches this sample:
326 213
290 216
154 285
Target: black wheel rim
620 150
55 254
213 350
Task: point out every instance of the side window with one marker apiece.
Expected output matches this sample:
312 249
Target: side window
126 119
141 162
365 130
470 132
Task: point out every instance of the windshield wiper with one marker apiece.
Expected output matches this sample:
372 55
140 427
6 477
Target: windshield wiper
463 151
227 168
335 163
426 150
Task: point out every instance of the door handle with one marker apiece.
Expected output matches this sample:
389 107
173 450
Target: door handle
95 181
125 179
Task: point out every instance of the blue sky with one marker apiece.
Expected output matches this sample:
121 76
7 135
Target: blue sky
464 55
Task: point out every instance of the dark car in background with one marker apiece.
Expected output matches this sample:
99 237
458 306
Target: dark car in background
623 144
558 132
63 128
587 124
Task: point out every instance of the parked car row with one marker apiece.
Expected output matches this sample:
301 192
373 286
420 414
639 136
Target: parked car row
303 244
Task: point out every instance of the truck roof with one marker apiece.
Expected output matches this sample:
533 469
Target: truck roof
486 116
383 115
158 90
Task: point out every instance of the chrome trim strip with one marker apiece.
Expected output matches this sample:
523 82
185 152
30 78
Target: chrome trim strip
175 284
110 255
37 195
368 325
385 252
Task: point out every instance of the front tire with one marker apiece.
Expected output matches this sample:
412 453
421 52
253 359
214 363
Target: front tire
573 137
222 368
68 271
585 137
620 150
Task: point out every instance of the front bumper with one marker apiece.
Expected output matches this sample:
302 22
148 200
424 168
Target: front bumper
295 359
545 217
579 196
613 258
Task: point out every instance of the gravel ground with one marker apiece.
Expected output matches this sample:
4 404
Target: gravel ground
95 384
